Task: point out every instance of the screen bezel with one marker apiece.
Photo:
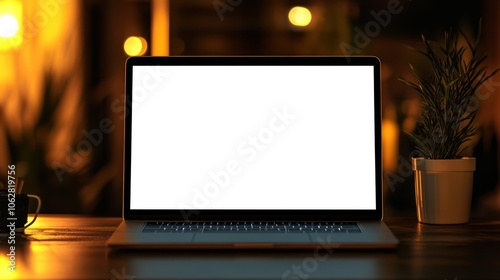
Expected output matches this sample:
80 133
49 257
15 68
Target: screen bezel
200 214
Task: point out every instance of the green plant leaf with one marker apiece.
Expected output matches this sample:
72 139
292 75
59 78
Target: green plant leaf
447 121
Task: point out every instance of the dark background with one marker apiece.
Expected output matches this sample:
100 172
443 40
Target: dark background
67 77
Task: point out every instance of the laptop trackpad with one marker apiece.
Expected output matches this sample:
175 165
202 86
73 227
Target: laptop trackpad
261 238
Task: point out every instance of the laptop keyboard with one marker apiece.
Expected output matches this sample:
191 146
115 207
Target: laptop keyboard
252 227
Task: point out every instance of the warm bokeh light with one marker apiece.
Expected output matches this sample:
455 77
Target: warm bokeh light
300 16
5 273
160 27
8 26
135 46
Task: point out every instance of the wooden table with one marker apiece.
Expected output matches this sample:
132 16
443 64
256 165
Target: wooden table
72 247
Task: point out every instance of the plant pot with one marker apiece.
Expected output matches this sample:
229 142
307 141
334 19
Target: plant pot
443 189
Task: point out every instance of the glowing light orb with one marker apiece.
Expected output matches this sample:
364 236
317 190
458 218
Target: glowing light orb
300 16
135 46
8 26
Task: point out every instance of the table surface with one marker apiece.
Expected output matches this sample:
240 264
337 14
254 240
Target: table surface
72 247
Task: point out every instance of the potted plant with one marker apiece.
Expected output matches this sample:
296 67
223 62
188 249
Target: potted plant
443 176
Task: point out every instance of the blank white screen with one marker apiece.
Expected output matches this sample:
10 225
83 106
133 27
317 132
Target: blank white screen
253 137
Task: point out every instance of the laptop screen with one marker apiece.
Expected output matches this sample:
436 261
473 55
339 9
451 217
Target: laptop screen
253 137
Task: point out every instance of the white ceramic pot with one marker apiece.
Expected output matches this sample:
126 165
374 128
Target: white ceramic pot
443 189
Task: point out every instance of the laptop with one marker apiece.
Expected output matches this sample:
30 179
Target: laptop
252 153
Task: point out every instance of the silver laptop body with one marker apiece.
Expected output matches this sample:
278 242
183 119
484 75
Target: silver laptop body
252 152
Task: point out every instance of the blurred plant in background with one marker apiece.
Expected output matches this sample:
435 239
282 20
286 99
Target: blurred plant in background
41 108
